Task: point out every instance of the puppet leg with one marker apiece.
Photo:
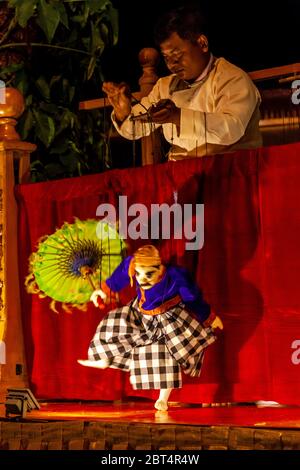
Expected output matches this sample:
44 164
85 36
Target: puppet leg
162 403
102 364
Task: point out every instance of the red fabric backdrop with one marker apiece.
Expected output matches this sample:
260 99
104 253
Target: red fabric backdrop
248 270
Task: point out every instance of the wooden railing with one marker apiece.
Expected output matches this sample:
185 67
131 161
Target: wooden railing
283 73
14 154
280 117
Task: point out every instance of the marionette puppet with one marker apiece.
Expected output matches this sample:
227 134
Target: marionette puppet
164 330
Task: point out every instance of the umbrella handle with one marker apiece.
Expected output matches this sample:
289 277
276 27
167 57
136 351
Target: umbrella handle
86 274
99 300
88 277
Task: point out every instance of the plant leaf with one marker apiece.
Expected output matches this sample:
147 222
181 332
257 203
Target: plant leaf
113 17
98 5
63 16
91 67
45 128
69 160
65 121
49 108
97 43
26 124
14 3
54 170
22 81
54 80
24 10
57 78
48 19
58 148
43 88
72 91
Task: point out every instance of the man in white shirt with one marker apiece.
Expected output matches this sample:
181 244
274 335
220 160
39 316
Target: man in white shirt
206 106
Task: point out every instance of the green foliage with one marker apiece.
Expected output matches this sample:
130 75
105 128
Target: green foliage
59 67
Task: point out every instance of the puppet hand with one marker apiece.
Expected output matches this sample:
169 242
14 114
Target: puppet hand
217 323
94 297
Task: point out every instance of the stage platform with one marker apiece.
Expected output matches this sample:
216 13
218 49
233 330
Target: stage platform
136 425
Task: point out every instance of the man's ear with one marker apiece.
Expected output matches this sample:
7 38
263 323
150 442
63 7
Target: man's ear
203 42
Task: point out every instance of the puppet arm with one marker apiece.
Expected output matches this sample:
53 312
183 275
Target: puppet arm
109 289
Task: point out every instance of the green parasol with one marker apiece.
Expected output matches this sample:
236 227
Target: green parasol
72 262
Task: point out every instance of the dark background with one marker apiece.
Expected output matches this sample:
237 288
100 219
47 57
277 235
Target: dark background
252 34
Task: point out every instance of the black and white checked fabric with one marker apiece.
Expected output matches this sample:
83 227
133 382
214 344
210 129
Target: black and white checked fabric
153 349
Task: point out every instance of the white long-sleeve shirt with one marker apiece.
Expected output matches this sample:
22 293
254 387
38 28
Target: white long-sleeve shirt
219 113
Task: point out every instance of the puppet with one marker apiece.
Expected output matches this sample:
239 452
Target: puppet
164 330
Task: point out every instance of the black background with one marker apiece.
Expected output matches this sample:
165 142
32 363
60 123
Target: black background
252 34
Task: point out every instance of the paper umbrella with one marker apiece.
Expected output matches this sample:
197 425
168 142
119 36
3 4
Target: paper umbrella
72 262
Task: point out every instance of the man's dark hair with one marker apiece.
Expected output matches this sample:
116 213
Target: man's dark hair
187 21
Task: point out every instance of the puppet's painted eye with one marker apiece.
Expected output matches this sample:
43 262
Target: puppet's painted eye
149 274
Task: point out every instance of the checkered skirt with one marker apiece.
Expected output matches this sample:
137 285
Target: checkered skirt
153 349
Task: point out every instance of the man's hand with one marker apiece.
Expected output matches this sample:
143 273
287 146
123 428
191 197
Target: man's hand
165 111
118 95
94 297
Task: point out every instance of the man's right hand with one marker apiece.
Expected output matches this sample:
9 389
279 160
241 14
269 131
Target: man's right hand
118 95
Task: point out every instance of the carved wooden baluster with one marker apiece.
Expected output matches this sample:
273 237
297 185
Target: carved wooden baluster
151 146
11 332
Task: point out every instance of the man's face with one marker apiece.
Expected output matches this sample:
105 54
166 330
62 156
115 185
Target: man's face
185 58
147 276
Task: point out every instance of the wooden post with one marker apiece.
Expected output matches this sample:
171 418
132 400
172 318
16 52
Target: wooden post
12 362
151 145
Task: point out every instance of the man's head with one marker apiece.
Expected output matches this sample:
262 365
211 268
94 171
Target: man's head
146 266
183 43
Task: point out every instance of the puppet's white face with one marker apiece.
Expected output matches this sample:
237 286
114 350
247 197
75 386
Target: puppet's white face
147 276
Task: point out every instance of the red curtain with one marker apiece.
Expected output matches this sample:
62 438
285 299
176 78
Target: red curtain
248 270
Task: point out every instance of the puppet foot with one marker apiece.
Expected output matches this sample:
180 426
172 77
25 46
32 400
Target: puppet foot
264 403
102 364
162 403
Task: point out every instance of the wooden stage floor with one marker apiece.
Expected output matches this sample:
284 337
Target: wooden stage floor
136 425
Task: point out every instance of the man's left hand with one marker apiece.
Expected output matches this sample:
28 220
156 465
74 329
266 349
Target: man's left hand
165 111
